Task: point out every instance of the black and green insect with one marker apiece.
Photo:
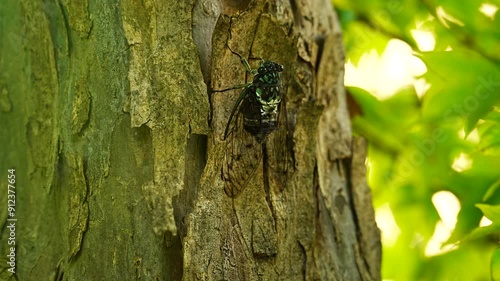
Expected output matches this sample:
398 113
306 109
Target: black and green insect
258 112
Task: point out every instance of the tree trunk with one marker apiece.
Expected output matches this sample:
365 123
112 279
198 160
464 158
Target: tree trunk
116 135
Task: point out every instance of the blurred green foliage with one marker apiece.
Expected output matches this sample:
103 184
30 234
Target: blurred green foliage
415 141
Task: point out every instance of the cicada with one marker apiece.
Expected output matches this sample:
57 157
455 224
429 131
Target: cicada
255 115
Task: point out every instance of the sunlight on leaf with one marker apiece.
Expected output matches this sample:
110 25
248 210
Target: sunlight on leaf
384 75
484 222
488 10
385 221
424 35
446 18
462 162
448 207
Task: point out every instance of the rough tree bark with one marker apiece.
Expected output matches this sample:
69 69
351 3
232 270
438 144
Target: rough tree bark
116 136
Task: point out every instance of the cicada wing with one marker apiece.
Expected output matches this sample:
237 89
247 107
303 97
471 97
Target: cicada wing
278 146
242 157
236 109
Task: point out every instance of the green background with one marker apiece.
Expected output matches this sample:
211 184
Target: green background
416 141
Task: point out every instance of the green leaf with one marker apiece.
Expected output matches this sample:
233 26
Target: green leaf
387 142
491 190
478 30
492 212
463 84
366 101
482 232
359 39
489 133
495 265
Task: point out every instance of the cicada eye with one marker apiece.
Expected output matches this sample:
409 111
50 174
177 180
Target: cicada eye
280 67
262 70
